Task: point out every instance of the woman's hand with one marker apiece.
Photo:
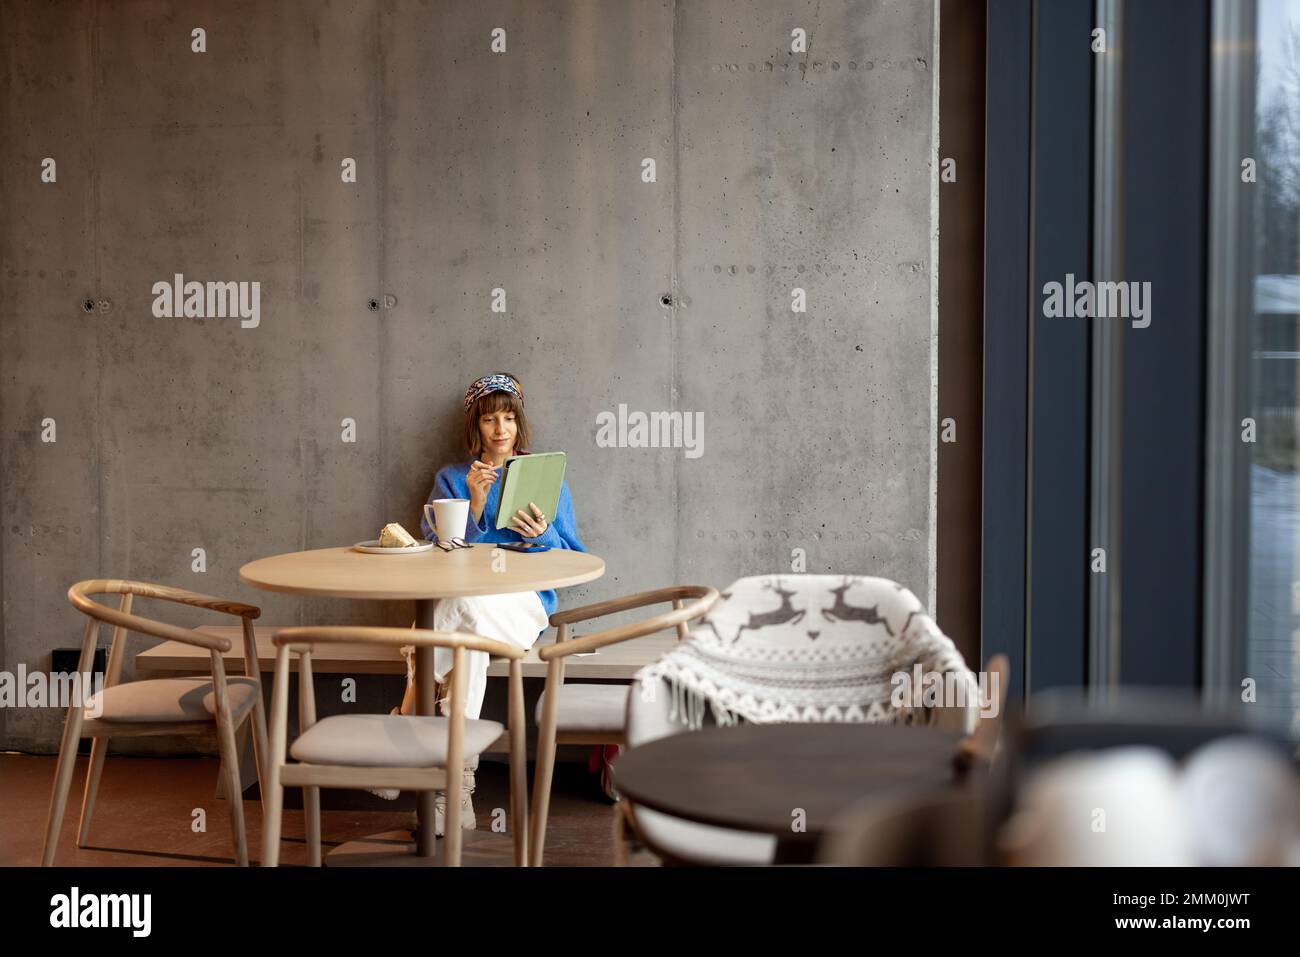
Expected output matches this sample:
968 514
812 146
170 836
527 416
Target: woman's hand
529 526
481 477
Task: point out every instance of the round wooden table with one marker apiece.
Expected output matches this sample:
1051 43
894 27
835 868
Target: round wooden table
425 577
757 777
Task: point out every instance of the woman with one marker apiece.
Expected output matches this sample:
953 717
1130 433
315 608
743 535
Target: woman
495 429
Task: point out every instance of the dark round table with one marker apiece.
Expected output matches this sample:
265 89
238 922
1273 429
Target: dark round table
753 777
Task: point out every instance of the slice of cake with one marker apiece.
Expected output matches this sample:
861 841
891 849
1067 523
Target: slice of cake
394 536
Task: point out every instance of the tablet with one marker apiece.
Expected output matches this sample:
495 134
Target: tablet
530 478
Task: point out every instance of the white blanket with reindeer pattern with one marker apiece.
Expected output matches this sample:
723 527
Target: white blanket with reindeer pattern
808 648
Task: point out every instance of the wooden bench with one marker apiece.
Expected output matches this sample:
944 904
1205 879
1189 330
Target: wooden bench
617 662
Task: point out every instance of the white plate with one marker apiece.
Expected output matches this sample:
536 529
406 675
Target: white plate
372 548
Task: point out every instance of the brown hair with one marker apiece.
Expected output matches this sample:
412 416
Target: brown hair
497 401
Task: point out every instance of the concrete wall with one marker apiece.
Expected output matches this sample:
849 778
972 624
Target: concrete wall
476 170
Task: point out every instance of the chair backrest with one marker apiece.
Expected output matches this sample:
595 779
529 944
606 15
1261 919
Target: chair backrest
689 602
809 648
80 596
302 640
124 620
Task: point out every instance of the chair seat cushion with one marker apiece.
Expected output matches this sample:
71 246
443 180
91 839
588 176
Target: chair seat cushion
702 844
388 740
171 699
588 707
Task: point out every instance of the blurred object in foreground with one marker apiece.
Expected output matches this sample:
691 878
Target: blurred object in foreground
1114 808
1242 804
1148 778
1177 722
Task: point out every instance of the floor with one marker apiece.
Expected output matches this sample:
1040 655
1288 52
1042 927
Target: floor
162 812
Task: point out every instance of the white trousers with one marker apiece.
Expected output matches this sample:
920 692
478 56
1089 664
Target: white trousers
517 618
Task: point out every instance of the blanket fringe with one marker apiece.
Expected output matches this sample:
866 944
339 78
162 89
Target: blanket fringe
689 704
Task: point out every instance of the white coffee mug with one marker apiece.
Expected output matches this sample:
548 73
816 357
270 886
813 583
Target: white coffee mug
449 517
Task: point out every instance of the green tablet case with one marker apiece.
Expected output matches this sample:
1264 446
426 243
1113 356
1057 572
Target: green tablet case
530 478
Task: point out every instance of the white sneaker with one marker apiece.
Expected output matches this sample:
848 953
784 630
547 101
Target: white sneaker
467 822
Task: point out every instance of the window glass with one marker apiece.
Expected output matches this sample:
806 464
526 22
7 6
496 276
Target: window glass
1273 645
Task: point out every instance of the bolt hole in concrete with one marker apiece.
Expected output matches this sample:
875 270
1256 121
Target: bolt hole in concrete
88 305
373 305
665 300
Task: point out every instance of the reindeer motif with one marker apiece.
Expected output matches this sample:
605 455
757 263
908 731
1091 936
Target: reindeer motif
707 622
785 615
842 611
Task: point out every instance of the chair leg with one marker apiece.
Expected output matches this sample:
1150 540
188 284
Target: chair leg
452 835
261 750
518 767
98 751
519 792
234 790
62 784
272 812
311 820
620 833
541 794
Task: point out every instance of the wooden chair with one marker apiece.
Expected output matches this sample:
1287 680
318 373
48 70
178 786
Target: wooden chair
978 747
409 752
158 705
594 713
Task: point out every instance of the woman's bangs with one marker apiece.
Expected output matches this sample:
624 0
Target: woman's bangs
498 402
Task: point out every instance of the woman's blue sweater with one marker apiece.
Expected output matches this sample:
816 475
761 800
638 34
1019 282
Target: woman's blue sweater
561 531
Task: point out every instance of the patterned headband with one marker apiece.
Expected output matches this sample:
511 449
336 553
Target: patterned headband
492 383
